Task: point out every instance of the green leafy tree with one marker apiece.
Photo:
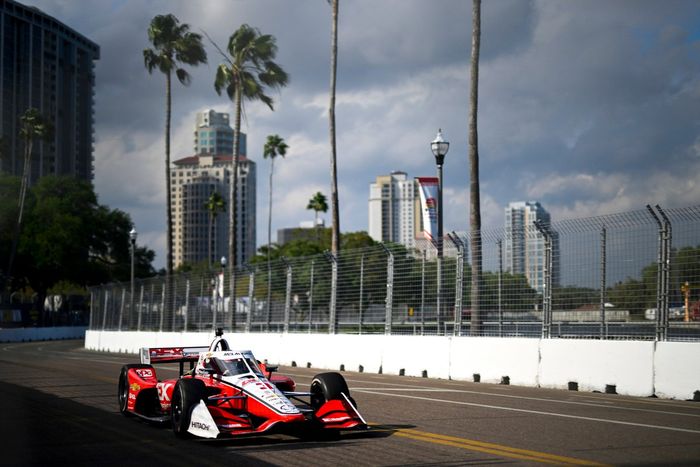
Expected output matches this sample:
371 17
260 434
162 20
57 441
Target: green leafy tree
69 237
247 73
214 205
173 46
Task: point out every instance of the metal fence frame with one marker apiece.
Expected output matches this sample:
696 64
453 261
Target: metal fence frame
390 289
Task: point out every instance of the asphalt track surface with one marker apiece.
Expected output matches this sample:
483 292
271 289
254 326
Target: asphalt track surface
58 406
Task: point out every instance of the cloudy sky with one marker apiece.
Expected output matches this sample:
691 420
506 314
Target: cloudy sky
588 107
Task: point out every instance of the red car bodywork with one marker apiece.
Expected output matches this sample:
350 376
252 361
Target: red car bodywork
252 401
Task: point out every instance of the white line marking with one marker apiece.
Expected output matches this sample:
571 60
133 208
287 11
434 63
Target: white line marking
536 412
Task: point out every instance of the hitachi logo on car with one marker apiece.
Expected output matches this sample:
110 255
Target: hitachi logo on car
201 422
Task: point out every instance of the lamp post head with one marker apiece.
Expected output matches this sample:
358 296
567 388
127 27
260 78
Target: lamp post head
439 147
223 261
132 235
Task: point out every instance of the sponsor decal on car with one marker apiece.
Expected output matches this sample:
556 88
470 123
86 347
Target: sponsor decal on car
135 387
163 390
145 373
233 425
335 419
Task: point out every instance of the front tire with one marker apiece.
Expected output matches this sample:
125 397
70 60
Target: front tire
326 387
187 394
123 389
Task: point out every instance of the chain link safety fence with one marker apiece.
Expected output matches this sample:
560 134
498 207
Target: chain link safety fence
634 275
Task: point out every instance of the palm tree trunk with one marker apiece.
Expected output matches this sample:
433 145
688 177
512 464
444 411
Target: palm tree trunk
269 241
169 292
233 208
26 173
474 196
168 112
335 241
269 211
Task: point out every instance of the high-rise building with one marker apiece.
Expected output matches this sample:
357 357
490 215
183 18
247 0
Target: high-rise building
194 179
523 246
213 134
394 209
46 65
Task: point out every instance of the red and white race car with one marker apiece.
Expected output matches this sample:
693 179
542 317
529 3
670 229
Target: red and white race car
229 393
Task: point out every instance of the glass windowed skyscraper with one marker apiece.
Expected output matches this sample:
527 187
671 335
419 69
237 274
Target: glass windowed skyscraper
46 65
213 134
523 246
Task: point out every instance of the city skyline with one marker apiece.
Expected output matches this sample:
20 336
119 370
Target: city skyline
589 110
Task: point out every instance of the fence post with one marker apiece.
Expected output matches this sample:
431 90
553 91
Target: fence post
603 283
287 295
92 308
251 299
499 243
138 324
162 306
268 306
362 286
186 311
422 294
311 294
121 310
332 315
104 313
662 274
389 300
666 268
459 282
547 287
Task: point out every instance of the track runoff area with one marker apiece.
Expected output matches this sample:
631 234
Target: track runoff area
60 405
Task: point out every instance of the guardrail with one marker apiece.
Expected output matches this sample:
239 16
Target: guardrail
620 276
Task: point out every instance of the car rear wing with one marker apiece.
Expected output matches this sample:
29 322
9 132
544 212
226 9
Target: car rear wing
152 355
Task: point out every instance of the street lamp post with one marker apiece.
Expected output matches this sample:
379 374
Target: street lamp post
439 147
132 237
222 289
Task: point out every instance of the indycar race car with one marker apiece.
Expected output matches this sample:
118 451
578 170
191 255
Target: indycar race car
228 393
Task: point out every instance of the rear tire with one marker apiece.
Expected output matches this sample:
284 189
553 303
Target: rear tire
123 389
326 387
187 394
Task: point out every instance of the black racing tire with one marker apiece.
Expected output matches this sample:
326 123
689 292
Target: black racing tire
123 388
187 393
326 387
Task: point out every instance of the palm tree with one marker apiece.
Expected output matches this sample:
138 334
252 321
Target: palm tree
474 196
317 203
248 70
275 146
214 205
173 45
32 126
335 216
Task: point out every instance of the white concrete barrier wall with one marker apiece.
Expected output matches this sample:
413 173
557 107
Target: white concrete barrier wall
594 364
636 368
42 334
677 370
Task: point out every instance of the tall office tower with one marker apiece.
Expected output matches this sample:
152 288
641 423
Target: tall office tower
194 179
49 66
213 134
524 248
394 209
